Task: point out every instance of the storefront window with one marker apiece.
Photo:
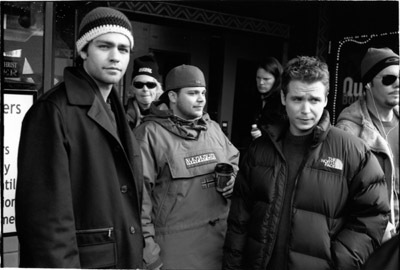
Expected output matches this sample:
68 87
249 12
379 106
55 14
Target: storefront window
64 38
23 45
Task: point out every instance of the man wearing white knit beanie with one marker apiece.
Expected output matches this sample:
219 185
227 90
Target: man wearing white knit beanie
80 179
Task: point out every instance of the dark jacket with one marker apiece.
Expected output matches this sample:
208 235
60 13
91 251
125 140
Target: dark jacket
78 197
273 111
339 207
386 257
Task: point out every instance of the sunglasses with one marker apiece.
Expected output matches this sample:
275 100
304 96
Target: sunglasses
388 79
140 85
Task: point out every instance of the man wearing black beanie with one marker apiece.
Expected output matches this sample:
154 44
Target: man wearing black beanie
375 119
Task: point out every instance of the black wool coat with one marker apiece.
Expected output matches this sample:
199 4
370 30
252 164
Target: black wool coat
79 187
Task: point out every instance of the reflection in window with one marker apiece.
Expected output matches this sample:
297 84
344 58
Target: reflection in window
23 45
64 38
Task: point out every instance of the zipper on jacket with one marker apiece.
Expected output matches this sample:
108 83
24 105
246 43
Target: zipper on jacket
299 171
304 161
109 231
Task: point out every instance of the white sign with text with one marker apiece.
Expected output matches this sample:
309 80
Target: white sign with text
15 107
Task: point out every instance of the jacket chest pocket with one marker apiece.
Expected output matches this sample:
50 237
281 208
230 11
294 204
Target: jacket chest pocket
190 186
193 163
97 248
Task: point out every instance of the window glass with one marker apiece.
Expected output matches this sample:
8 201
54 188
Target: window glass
64 38
23 45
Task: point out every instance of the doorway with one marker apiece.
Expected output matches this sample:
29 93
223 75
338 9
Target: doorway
245 104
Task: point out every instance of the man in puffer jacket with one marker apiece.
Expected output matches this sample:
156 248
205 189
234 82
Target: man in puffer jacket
184 216
308 195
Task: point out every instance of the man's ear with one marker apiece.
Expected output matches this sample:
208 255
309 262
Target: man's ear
173 96
283 100
326 101
83 55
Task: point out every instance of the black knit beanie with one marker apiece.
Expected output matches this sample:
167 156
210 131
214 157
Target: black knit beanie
376 60
145 65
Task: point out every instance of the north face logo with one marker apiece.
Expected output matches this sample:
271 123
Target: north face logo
334 163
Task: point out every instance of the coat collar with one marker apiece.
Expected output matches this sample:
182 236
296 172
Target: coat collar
80 86
81 90
319 132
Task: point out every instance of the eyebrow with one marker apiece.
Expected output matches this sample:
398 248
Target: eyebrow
306 96
111 43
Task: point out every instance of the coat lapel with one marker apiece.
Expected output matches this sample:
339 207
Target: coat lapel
98 113
81 91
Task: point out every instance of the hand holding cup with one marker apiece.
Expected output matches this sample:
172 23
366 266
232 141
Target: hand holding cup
224 179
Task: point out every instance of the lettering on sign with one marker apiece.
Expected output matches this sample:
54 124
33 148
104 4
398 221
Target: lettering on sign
16 104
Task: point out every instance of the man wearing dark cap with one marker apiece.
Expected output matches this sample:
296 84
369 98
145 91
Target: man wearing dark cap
184 217
80 179
146 88
375 119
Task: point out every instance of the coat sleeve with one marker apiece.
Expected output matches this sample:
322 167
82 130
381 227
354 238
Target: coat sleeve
151 252
368 209
239 215
44 209
232 153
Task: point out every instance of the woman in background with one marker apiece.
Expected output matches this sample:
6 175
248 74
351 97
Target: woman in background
146 89
270 108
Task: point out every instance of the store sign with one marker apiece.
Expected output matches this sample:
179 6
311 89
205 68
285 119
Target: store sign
11 67
16 104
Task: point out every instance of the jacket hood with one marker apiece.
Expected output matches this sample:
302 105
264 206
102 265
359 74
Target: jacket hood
187 129
356 119
358 113
355 112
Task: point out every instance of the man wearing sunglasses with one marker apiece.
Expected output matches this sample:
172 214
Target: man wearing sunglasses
375 119
146 89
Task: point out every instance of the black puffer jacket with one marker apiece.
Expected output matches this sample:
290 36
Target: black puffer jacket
339 204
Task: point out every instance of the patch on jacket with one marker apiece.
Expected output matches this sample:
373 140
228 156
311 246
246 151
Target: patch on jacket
208 182
199 160
334 163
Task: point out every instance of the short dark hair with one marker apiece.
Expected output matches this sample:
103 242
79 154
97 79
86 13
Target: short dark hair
306 69
78 58
272 65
